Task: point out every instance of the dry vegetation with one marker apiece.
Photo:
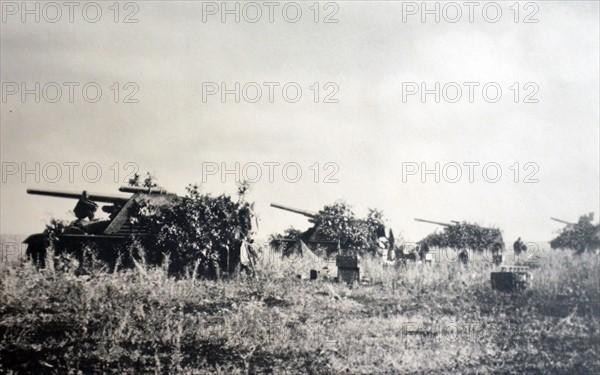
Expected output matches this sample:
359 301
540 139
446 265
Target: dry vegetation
440 318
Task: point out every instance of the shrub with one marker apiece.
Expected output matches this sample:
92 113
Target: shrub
195 231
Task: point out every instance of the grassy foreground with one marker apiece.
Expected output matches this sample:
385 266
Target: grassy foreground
415 319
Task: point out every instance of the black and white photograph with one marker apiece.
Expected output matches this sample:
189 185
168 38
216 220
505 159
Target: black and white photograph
300 187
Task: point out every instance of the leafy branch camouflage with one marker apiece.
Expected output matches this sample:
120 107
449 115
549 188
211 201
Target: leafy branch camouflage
581 236
467 236
196 229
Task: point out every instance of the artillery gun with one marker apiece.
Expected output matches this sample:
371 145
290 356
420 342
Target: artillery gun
581 236
332 239
437 222
106 235
348 269
308 214
562 221
421 251
463 236
311 237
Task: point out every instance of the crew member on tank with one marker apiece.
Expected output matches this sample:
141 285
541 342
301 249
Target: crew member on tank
85 208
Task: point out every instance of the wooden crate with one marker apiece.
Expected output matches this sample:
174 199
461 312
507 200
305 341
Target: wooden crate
510 281
346 261
349 275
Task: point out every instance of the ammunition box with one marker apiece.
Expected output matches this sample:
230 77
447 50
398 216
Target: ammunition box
346 261
349 275
510 279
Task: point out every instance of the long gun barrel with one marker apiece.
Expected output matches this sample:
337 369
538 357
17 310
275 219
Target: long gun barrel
65 194
309 214
561 221
454 222
434 222
143 190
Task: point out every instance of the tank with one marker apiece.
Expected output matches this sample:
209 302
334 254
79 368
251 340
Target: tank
311 237
315 237
581 236
462 235
107 235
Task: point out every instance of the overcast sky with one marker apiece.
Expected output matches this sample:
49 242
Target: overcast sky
369 57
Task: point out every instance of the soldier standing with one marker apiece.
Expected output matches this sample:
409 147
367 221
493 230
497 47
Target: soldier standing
519 246
423 251
36 249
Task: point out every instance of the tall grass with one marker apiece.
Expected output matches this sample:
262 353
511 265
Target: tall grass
415 318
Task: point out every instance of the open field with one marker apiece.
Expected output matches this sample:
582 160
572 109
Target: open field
415 319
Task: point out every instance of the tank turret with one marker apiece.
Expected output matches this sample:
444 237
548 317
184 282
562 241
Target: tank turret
118 228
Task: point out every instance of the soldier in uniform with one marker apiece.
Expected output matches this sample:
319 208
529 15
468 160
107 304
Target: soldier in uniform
519 246
423 251
36 249
85 208
112 210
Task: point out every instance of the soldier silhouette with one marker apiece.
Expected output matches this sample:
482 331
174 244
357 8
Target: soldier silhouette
423 250
85 208
519 246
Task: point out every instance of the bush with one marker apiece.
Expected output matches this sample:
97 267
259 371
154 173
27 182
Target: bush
195 231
